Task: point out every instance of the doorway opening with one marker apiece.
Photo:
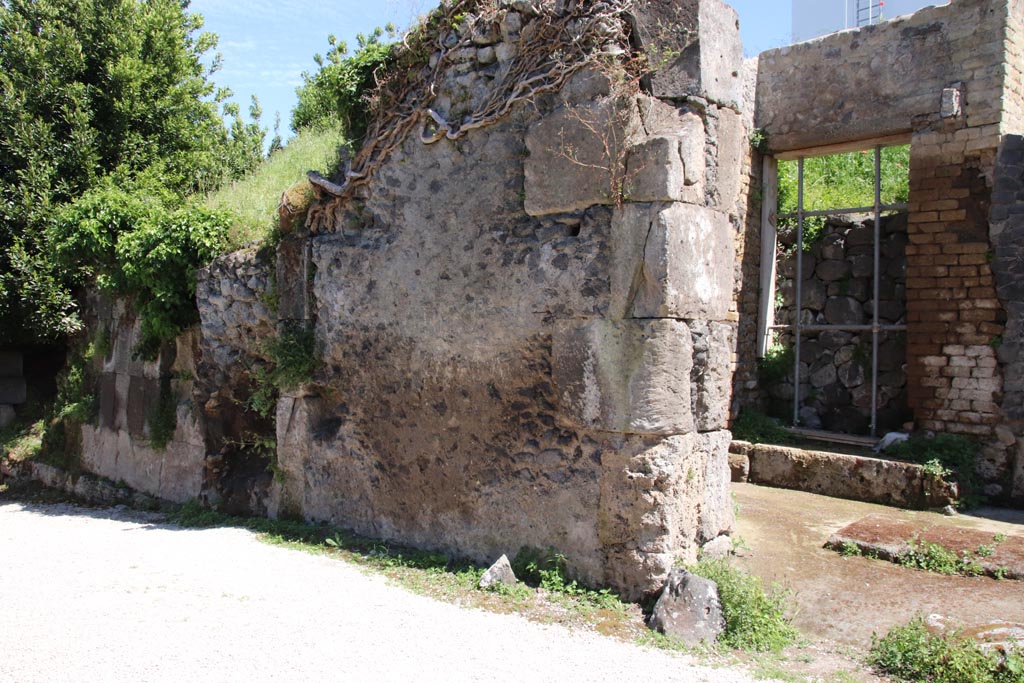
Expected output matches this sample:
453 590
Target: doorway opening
833 318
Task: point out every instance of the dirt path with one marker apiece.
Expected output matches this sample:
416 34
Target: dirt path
846 599
112 595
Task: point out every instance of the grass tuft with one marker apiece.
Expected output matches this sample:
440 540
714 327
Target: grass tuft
253 200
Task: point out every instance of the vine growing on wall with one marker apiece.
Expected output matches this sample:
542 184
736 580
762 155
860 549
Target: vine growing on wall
400 103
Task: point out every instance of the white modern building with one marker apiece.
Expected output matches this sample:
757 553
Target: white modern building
813 18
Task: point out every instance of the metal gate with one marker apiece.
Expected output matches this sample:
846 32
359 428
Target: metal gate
875 328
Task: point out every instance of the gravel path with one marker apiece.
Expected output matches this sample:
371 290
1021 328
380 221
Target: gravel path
112 595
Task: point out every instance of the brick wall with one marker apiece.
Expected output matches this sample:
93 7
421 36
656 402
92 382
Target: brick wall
954 318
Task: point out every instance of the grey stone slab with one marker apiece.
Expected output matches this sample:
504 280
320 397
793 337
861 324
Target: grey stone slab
11 363
630 376
143 397
577 156
694 46
13 390
688 259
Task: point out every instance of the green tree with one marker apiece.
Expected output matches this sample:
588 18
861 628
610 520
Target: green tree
337 92
94 89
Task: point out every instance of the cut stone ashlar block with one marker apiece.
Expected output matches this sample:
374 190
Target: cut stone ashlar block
577 156
671 261
694 46
628 376
669 167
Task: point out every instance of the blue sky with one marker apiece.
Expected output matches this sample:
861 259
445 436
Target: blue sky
267 44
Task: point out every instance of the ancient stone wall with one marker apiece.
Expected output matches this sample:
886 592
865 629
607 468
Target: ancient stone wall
132 393
886 78
938 76
836 366
526 332
1008 242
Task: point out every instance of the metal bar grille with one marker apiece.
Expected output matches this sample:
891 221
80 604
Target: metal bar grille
798 328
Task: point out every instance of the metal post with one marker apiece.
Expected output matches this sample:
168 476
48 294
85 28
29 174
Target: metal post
798 288
875 329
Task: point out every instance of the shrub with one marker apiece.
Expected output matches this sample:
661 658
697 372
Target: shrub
946 454
159 260
337 92
756 427
911 653
132 242
293 353
754 619
777 365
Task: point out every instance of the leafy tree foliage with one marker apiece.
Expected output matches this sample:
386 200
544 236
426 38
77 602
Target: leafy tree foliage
143 245
99 93
337 92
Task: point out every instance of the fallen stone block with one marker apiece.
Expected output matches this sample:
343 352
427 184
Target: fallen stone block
689 609
499 572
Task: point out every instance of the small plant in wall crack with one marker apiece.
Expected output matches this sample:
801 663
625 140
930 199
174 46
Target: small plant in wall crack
291 362
293 355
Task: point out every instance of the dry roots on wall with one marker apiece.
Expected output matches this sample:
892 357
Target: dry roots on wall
586 32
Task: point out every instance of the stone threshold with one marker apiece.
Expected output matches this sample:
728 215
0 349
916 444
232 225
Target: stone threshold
839 475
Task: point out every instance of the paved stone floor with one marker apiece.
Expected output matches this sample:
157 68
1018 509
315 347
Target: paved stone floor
846 599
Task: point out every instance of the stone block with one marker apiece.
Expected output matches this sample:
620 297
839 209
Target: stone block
732 144
577 156
11 364
711 390
715 514
684 268
665 169
108 400
292 282
630 376
137 466
7 415
100 451
13 390
694 45
644 512
689 609
183 461
143 397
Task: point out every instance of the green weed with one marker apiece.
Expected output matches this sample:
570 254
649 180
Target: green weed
946 455
756 427
912 653
850 549
547 569
755 619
